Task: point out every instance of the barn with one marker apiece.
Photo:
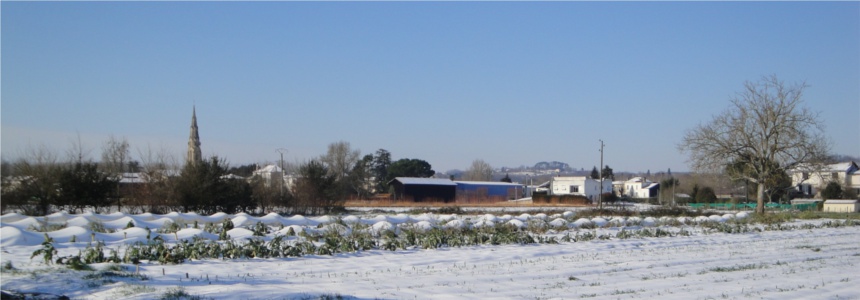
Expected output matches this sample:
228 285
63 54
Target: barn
487 191
423 189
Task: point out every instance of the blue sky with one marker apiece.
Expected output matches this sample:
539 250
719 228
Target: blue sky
511 83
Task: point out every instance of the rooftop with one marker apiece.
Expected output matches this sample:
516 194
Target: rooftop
425 181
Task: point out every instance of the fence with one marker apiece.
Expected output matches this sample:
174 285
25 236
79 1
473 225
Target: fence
749 206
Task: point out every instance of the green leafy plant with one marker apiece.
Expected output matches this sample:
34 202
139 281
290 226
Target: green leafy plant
47 251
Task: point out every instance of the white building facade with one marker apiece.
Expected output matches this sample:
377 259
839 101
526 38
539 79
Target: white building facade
579 185
810 182
272 175
639 187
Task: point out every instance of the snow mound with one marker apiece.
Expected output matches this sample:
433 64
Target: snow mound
12 236
489 218
517 223
80 234
24 223
558 222
381 226
12 217
648 222
399 219
351 219
484 223
423 226
190 233
120 223
717 218
58 217
286 231
617 221
336 228
244 221
78 221
580 223
426 217
599 222
455 224
298 220
271 219
235 233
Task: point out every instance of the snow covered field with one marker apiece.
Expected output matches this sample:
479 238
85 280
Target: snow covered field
809 259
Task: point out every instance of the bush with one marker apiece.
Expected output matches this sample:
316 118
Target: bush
833 190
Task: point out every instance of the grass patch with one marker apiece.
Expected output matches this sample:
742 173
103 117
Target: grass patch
813 248
622 292
179 293
738 268
133 289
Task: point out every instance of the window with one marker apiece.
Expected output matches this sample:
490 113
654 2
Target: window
574 189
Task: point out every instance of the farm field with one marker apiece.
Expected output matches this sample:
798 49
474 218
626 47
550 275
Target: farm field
435 256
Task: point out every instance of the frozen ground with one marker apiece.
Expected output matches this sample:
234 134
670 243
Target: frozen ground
811 263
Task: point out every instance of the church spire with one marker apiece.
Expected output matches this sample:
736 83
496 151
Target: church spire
194 153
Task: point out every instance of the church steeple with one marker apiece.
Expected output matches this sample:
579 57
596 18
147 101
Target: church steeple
194 153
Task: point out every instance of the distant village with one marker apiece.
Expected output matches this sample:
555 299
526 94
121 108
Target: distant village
557 182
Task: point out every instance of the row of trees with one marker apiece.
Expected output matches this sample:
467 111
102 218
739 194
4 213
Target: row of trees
41 183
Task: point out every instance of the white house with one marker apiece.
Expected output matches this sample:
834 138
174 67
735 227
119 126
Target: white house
578 185
639 187
272 175
810 181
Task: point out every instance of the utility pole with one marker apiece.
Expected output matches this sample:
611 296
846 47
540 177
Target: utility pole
674 183
600 194
283 171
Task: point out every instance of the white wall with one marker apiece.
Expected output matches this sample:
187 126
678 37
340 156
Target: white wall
584 186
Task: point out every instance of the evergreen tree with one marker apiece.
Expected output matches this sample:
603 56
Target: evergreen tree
379 166
315 190
833 190
607 173
594 173
706 195
202 188
410 168
83 185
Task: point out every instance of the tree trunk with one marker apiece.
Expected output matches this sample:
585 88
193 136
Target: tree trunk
760 196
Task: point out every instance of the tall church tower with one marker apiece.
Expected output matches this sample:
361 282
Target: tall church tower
194 153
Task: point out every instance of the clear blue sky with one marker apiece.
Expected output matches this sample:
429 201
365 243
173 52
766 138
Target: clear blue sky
511 83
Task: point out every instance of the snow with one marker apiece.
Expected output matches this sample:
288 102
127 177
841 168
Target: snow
818 263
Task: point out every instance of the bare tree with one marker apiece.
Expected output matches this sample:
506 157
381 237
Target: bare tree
479 171
157 168
34 188
766 131
340 159
76 152
115 155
